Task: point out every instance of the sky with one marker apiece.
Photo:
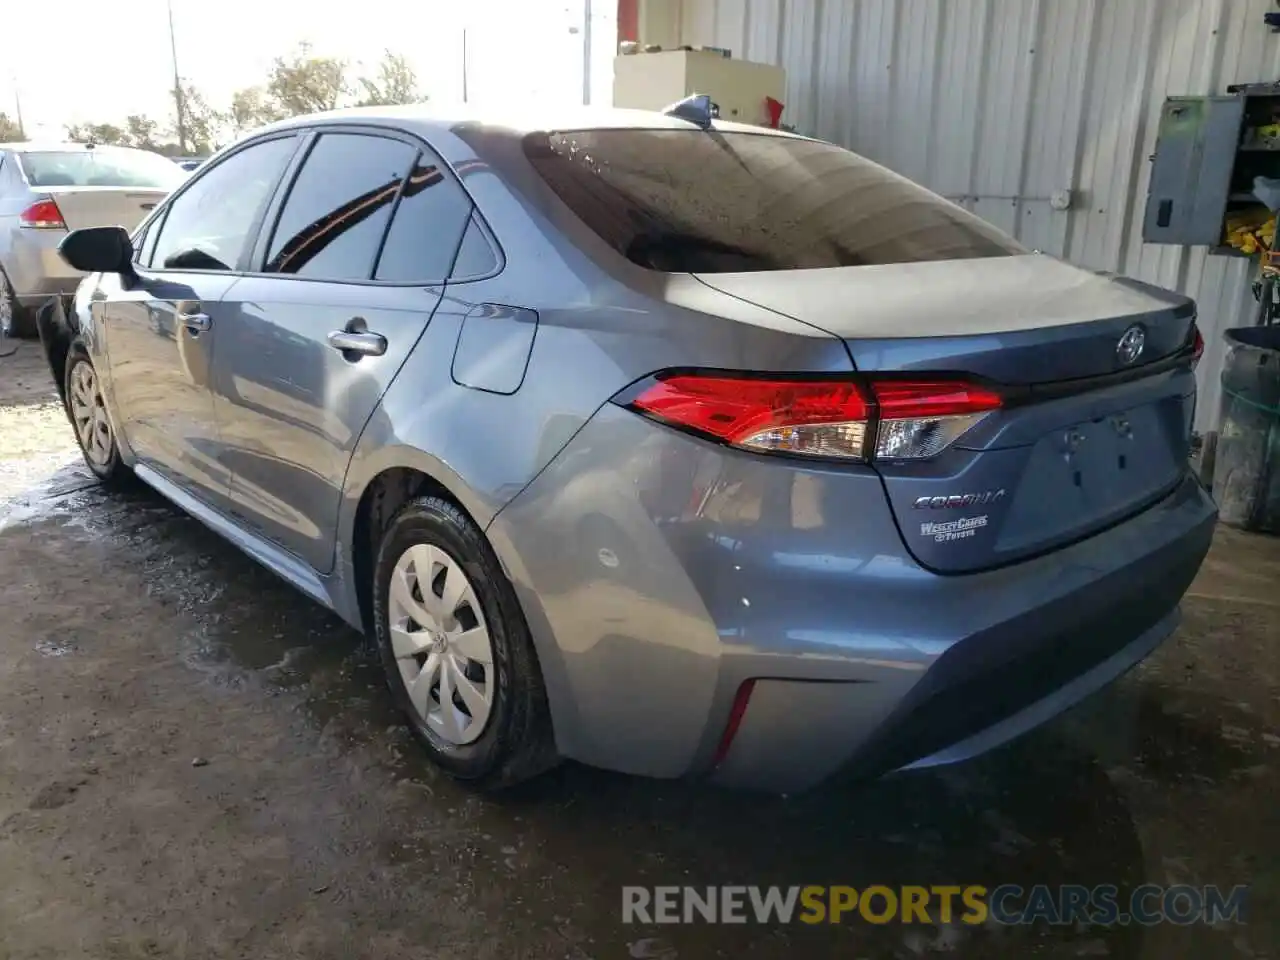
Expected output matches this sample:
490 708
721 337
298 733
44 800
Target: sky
109 64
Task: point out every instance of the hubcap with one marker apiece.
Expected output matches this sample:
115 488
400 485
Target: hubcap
89 415
441 643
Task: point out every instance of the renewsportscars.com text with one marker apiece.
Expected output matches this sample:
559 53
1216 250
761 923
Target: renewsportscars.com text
974 904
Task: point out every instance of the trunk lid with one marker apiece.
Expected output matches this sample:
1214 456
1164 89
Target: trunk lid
104 206
1088 435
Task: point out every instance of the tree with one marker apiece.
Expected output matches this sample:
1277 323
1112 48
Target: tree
203 125
140 131
250 108
395 83
104 133
10 130
303 83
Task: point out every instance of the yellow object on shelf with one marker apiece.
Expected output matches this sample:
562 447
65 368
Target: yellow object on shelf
1250 233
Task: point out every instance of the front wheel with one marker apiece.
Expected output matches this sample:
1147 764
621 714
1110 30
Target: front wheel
456 650
88 414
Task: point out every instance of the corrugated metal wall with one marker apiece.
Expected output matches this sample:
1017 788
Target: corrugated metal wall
998 103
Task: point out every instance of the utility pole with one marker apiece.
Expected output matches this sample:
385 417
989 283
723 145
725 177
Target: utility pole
177 86
586 53
17 106
464 64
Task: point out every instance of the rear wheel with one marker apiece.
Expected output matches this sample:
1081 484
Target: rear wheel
15 320
88 414
456 650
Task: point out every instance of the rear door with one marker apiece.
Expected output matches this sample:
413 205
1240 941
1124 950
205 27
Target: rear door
162 327
346 281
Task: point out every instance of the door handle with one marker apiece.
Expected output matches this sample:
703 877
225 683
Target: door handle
357 341
197 322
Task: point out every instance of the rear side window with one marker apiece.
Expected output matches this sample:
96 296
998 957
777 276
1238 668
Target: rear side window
99 167
717 202
208 225
334 219
476 257
427 226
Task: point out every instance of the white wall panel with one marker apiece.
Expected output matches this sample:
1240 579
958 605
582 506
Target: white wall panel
998 103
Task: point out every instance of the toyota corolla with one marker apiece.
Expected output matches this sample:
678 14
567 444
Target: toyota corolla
669 445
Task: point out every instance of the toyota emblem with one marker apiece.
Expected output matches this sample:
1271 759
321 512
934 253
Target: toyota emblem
1129 349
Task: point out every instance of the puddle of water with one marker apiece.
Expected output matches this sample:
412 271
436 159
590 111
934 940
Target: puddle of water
32 489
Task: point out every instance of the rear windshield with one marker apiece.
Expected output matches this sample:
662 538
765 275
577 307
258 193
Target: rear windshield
715 202
99 168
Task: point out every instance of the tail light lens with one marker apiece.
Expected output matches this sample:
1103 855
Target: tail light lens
783 416
42 215
837 419
921 419
1197 346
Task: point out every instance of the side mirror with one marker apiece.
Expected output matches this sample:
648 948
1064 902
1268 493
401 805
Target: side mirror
98 250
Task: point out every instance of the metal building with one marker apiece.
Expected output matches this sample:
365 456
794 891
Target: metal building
1003 104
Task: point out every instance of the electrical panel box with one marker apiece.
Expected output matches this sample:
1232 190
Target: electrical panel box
651 81
1209 150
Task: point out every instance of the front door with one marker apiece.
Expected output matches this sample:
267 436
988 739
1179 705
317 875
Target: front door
346 283
163 325
161 332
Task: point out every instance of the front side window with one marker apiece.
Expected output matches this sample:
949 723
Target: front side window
144 251
716 202
332 224
99 167
210 223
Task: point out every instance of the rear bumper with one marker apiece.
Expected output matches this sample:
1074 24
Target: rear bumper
35 268
659 573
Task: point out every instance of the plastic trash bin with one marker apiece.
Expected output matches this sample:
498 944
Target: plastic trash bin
1246 473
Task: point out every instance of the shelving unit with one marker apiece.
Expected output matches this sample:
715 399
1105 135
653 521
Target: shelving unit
1205 162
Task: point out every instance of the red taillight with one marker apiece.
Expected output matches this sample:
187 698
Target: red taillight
824 418
1197 347
902 399
42 215
736 713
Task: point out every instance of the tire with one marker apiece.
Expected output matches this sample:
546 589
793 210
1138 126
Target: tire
490 745
95 435
16 321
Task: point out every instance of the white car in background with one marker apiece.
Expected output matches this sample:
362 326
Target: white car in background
48 189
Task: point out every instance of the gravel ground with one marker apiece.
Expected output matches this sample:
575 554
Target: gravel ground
196 761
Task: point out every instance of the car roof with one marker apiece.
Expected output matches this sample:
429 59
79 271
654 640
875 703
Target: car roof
429 118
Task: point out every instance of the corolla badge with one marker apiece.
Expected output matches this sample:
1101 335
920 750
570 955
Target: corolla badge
1131 344
951 502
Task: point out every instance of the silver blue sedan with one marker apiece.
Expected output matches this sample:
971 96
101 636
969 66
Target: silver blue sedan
674 446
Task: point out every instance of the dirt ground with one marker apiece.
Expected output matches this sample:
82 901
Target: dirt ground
196 761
